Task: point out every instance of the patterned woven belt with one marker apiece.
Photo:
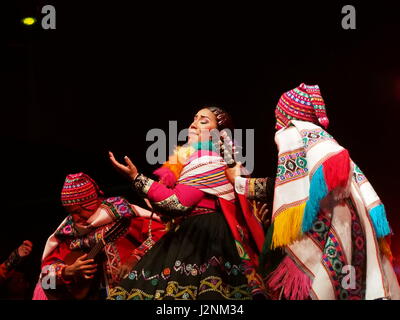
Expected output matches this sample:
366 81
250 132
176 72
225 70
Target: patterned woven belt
199 210
174 224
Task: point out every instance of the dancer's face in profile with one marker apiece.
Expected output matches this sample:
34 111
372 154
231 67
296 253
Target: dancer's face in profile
203 122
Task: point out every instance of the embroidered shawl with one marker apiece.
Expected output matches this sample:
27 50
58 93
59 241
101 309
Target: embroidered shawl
315 179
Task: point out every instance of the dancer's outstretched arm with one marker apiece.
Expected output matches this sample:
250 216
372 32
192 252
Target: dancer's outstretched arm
167 201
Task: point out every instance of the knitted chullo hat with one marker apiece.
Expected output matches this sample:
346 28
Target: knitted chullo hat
80 189
302 103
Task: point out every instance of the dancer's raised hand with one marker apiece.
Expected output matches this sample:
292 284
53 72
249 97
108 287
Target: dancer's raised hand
25 249
129 170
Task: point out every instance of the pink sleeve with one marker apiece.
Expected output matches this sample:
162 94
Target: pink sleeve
170 201
188 196
175 201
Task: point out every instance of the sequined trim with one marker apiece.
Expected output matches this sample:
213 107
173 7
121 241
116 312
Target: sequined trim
142 184
171 205
257 189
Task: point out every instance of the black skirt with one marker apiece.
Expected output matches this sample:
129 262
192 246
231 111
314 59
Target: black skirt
198 260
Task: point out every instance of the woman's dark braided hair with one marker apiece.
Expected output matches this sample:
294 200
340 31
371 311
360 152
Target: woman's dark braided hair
224 120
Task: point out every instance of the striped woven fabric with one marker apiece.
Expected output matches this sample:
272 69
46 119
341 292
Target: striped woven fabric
81 189
207 173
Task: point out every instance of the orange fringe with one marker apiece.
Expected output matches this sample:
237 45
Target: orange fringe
384 247
177 161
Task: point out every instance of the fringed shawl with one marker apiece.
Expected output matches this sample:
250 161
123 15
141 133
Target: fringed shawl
315 172
311 164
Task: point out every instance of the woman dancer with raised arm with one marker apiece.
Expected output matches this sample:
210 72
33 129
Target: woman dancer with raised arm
211 250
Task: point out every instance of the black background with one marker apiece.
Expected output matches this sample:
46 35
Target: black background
112 71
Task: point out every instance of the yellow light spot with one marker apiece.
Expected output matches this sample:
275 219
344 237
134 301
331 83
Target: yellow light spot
28 21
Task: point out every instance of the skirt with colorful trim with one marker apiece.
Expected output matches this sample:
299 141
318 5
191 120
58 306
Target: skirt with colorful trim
197 260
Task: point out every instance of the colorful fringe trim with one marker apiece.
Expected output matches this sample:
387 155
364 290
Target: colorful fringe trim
379 220
178 160
204 145
333 174
287 226
337 170
384 247
295 283
318 191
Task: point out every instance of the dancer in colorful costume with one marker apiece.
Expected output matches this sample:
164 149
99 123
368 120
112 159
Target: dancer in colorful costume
212 248
90 217
326 216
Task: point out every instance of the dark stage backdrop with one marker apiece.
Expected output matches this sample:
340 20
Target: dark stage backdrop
111 72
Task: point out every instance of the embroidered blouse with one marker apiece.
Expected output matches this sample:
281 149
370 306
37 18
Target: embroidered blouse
201 181
173 202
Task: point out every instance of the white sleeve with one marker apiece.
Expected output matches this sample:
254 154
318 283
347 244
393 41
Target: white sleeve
240 185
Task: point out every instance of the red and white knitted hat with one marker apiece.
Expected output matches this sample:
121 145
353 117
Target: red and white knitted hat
80 189
302 103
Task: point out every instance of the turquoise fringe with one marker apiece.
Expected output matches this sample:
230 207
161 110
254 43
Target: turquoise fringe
378 217
318 191
204 145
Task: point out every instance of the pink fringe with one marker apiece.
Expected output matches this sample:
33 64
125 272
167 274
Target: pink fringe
295 282
39 294
166 176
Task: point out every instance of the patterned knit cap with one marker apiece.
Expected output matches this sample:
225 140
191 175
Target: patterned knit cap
80 189
302 103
